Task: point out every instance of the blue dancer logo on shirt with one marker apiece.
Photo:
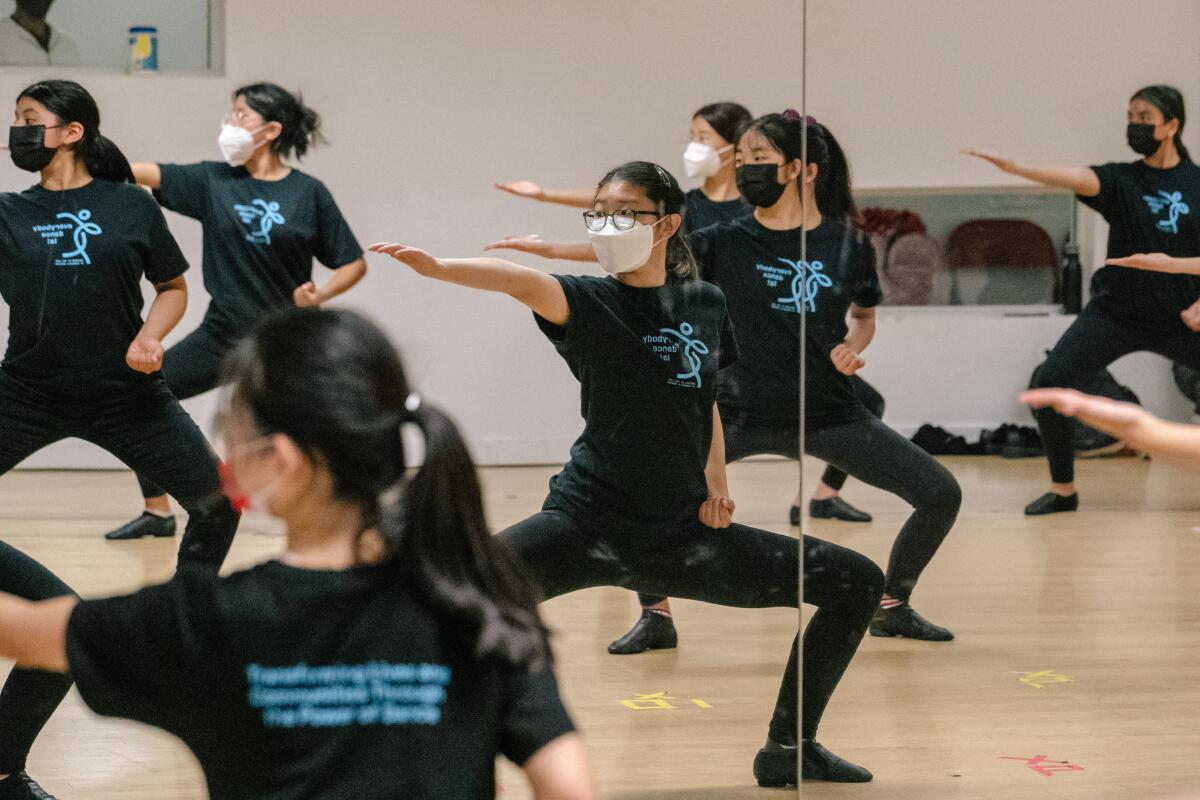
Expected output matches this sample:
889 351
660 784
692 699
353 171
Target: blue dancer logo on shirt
670 341
261 216
804 279
1174 205
80 227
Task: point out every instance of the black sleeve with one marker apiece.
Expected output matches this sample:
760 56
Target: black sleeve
335 245
865 290
701 244
1109 175
138 656
184 189
533 714
162 260
565 337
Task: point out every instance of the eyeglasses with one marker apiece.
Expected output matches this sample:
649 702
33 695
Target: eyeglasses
236 117
623 220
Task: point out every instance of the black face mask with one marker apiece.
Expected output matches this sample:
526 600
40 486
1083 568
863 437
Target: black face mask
1140 136
759 184
27 147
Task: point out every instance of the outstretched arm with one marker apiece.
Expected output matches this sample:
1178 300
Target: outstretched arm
537 290
536 245
1158 262
1081 180
148 174
576 198
1126 421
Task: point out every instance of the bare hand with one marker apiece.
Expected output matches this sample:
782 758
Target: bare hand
530 243
991 156
421 262
145 355
846 360
1114 417
1191 316
527 189
717 512
1154 262
306 295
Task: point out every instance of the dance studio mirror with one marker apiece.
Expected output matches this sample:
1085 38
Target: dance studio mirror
1066 566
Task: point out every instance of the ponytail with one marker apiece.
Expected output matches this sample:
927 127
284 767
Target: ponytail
331 382
438 536
70 102
105 160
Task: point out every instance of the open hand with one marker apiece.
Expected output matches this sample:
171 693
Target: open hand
1114 417
1154 262
527 189
991 156
530 243
420 261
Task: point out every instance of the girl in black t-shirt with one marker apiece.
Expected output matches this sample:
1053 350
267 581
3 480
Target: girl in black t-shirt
392 651
264 224
81 362
643 502
1151 205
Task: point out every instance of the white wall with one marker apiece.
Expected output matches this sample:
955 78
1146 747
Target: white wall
101 29
905 85
426 105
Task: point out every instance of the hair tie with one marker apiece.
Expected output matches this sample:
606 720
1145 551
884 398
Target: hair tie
662 173
412 402
791 115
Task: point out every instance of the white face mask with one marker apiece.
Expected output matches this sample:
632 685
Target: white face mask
237 144
702 160
622 251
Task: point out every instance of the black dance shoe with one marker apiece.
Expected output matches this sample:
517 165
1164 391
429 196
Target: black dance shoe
1051 503
836 508
775 766
651 632
19 786
794 516
903 621
146 525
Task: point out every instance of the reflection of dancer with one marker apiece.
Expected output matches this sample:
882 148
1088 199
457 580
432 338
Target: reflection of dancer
760 395
26 37
644 501
393 649
82 363
1148 205
264 224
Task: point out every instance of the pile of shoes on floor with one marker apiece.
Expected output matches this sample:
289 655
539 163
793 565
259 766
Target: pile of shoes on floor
1017 441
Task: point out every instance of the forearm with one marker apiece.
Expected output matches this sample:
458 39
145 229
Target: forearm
861 332
342 280
1081 180
1173 440
165 313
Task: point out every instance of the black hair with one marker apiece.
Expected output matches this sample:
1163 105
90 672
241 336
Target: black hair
301 125
663 190
70 102
786 133
726 118
1169 101
332 382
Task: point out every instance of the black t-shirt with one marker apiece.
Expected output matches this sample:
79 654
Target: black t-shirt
71 263
647 362
765 282
1148 210
260 237
700 212
294 683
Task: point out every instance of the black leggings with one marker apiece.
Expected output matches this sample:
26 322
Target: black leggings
29 696
190 368
1096 339
736 566
870 397
147 429
880 457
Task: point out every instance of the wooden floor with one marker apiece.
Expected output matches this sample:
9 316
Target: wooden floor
1078 647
